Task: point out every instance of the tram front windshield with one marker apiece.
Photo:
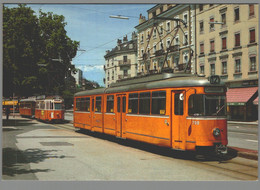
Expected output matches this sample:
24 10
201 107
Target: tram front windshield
57 106
207 105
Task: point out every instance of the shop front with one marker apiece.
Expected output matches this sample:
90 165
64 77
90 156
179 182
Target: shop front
242 104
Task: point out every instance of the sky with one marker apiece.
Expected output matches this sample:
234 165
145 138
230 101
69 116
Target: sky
91 25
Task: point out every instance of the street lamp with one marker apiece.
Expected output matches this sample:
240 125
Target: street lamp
119 17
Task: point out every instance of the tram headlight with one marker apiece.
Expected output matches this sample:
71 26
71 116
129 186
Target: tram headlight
216 132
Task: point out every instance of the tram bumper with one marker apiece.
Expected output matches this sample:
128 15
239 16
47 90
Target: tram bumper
220 149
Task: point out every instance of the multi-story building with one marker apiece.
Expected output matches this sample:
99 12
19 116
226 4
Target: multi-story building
227 45
78 77
121 62
164 41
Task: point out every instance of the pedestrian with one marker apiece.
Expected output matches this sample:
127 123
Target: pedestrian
7 112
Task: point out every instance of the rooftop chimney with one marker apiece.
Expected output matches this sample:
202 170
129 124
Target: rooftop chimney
125 39
119 42
134 36
141 19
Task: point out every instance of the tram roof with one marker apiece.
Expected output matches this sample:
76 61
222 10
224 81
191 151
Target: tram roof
165 80
28 100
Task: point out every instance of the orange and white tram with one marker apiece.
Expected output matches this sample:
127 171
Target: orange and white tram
180 111
49 109
27 107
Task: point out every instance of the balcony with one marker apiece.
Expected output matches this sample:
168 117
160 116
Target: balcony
154 71
167 70
180 67
173 48
140 73
159 52
123 76
124 63
146 56
104 67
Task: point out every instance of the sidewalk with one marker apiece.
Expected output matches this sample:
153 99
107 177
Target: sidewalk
244 122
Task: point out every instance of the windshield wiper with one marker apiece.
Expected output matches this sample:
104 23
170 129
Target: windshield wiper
220 109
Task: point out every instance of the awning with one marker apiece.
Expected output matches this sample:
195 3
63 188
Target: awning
9 103
240 96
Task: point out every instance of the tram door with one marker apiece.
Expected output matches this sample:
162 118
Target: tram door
92 110
178 119
120 116
33 108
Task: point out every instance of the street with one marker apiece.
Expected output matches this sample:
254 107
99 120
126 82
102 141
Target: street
33 150
243 136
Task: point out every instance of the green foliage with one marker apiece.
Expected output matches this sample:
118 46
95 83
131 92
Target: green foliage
31 45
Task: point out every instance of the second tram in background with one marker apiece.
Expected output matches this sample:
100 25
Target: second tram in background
183 112
49 109
27 107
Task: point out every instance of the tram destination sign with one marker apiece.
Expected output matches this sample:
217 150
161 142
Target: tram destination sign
215 89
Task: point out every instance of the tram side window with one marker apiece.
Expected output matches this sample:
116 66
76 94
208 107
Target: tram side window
42 105
48 105
133 103
87 104
78 104
98 104
178 105
144 103
37 105
158 102
82 104
110 104
196 105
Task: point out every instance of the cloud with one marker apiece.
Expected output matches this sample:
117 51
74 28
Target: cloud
88 68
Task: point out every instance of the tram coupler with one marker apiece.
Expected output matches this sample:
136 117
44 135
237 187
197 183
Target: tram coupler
221 149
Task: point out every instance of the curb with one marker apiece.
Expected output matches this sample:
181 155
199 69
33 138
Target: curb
245 123
246 153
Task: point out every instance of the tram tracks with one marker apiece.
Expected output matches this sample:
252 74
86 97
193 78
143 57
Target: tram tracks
233 168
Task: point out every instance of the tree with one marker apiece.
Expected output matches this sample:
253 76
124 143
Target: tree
37 52
58 51
20 51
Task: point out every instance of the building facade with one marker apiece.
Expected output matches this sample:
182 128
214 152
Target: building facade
227 45
121 62
164 42
78 77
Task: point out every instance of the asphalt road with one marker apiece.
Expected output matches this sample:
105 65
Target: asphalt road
34 150
243 136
